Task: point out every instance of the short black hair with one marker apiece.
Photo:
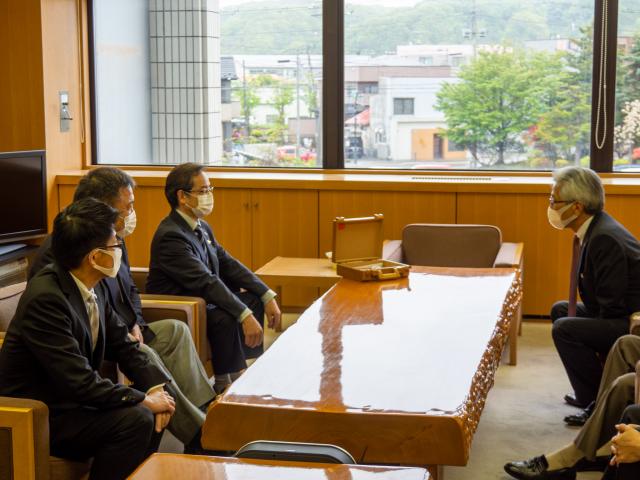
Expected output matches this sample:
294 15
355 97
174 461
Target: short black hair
79 228
180 178
103 183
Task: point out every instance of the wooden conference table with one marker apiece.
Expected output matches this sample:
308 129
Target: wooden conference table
170 467
395 372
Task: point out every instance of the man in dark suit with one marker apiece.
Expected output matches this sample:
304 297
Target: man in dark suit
62 331
167 343
606 272
187 260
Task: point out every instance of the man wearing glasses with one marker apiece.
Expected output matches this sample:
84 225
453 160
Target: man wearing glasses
186 259
168 343
605 270
62 331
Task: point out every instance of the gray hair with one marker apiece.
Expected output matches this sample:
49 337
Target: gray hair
581 185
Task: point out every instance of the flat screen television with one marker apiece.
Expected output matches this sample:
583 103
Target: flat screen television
23 199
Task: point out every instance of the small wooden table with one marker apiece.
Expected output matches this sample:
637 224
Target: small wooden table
161 466
299 272
394 372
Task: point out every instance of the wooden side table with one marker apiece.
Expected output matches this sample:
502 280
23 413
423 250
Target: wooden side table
300 272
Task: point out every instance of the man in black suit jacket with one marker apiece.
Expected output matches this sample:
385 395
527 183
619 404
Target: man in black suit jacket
167 343
607 275
62 331
187 260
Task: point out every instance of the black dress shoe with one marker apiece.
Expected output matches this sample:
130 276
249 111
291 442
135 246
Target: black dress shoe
536 469
597 465
573 401
581 418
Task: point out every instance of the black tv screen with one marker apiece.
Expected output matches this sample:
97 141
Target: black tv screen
23 204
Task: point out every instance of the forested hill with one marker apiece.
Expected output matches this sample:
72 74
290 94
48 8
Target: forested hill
294 26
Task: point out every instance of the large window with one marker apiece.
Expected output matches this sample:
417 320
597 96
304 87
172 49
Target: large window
225 82
469 84
394 84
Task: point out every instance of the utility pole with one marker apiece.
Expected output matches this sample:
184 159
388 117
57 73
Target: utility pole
244 96
473 33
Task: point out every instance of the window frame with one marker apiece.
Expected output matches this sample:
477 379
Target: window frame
331 148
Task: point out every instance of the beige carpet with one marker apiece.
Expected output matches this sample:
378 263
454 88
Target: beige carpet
523 414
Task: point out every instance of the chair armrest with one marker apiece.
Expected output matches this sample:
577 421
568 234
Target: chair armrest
191 310
638 382
2 334
634 323
139 275
392 250
24 437
509 255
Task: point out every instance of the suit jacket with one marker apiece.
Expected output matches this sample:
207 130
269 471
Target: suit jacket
181 265
47 354
609 282
123 295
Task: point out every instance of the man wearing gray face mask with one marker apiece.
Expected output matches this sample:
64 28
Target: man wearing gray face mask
606 272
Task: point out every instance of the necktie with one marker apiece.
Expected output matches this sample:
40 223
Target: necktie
202 236
573 280
94 319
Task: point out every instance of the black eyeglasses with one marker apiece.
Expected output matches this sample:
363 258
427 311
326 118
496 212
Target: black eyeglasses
119 245
553 202
202 191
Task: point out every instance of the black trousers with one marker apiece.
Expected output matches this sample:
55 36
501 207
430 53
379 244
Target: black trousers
626 471
228 350
118 440
583 343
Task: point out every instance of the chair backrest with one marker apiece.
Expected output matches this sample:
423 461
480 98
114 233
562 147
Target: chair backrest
434 245
9 298
295 452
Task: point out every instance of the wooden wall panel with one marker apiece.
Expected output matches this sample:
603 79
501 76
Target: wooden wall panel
62 47
547 251
399 209
21 82
231 222
285 223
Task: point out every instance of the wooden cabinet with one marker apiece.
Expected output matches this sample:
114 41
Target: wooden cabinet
399 209
257 225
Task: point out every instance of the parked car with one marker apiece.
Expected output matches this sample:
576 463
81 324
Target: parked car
286 152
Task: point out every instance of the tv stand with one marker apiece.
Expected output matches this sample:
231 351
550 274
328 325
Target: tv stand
11 247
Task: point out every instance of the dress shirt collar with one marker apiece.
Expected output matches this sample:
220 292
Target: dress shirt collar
582 231
190 221
84 291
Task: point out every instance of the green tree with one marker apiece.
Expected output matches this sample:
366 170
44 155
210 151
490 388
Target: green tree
283 96
246 94
500 95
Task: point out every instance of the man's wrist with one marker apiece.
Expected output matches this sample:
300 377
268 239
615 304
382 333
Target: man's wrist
245 313
268 296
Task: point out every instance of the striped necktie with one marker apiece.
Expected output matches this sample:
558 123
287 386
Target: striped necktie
573 280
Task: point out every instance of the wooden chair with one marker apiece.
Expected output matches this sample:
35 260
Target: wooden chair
24 423
470 246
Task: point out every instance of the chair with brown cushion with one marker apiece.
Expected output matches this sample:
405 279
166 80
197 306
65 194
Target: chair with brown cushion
466 246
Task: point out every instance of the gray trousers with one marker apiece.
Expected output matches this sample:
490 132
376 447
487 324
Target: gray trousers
617 391
174 352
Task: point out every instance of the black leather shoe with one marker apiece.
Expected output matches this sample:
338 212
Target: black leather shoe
571 399
536 469
581 418
597 465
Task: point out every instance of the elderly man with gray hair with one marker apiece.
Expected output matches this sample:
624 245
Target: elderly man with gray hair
605 269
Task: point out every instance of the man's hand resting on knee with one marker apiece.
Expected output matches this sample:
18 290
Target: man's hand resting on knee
625 446
252 331
162 405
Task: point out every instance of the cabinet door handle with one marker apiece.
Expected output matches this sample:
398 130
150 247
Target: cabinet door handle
245 205
256 205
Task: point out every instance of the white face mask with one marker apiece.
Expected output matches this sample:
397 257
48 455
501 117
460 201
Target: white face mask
116 256
555 217
205 205
129 225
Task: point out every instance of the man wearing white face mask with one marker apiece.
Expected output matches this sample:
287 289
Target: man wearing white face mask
186 259
606 272
168 343
63 330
